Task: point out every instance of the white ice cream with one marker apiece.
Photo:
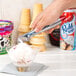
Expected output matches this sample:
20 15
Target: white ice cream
21 53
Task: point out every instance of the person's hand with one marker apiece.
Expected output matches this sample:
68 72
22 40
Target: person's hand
49 15
45 18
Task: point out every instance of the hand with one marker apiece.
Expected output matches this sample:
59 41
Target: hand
49 15
43 19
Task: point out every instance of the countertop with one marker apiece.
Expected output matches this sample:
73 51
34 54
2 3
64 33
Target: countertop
59 62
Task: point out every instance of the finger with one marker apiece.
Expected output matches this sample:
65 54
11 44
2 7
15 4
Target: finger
57 27
40 25
49 31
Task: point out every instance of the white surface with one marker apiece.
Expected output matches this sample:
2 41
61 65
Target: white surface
59 62
2 74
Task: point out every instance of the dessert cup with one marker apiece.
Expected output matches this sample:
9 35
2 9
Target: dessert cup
22 69
22 55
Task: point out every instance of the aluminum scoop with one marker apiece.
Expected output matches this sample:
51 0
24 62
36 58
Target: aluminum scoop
27 36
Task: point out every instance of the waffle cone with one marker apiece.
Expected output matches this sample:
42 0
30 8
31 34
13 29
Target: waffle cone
25 17
38 40
38 8
23 28
43 34
20 33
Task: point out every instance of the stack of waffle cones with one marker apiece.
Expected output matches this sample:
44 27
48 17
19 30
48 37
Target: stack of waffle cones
25 22
38 40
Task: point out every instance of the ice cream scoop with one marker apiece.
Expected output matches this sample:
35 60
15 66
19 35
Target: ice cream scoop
27 36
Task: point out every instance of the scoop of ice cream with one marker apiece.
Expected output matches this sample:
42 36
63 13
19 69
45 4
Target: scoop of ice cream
21 53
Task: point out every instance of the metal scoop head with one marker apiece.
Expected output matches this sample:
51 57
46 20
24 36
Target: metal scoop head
26 37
